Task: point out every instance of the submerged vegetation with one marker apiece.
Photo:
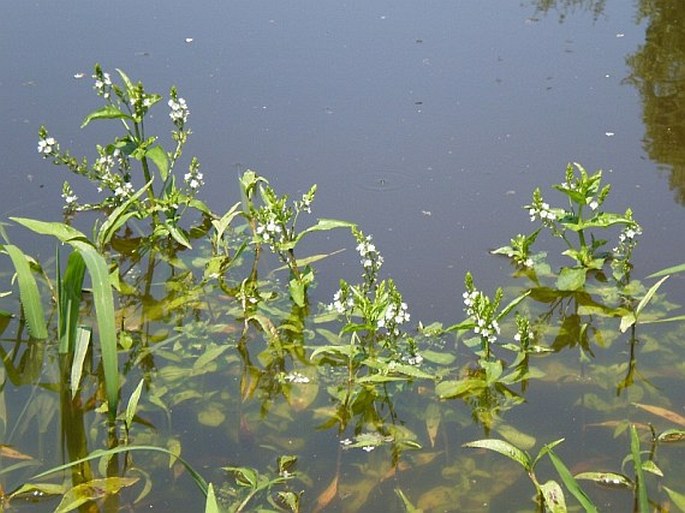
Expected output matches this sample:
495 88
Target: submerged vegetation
168 323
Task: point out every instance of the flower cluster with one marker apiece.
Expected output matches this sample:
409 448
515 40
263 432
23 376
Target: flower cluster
343 301
70 198
194 178
270 231
305 204
623 252
297 378
482 311
103 82
47 146
524 334
395 315
583 188
539 209
179 109
371 259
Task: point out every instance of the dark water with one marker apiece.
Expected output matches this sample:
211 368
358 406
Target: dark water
428 123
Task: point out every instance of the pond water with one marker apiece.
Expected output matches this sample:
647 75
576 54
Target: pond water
427 123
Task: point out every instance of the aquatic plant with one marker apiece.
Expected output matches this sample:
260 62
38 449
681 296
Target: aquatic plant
226 340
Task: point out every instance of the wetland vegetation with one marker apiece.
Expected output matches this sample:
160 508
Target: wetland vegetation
170 356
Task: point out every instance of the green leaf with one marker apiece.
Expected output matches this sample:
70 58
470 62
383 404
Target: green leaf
554 497
211 504
69 294
130 88
108 453
450 389
118 218
28 293
677 498
643 502
92 490
325 225
571 484
408 506
648 296
132 404
157 155
669 270
608 479
104 313
106 112
571 278
505 449
81 344
61 231
513 304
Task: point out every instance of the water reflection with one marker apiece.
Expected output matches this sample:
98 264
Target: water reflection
565 7
657 72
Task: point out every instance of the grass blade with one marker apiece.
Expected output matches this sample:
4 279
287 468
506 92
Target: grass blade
571 483
106 453
104 312
28 293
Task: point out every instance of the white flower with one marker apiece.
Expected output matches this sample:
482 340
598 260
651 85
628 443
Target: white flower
123 190
297 377
179 110
369 448
594 204
47 146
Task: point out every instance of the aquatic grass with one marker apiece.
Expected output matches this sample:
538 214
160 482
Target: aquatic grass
28 293
98 270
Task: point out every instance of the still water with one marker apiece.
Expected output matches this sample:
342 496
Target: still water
428 123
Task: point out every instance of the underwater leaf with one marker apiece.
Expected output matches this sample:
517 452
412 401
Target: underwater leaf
433 416
608 479
106 112
571 278
408 506
571 484
554 497
516 437
327 496
211 415
7 451
440 358
663 413
28 292
504 448
450 389
677 498
92 490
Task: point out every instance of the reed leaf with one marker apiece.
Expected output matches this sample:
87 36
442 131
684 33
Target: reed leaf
28 293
